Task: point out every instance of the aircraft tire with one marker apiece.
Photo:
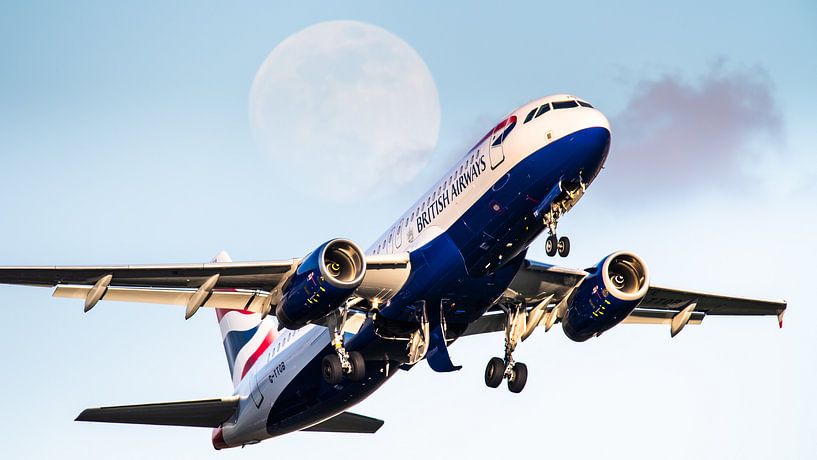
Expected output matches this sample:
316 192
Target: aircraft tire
494 372
519 378
358 366
331 369
551 245
563 246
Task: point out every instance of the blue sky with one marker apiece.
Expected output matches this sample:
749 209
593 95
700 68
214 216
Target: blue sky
124 138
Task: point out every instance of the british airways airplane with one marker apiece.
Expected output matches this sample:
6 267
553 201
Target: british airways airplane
308 338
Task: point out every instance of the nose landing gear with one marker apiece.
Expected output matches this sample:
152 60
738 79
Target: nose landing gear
566 200
554 245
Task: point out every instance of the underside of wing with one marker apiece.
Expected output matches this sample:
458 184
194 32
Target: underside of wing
249 286
536 282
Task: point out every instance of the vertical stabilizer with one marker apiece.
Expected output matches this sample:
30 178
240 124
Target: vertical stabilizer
245 335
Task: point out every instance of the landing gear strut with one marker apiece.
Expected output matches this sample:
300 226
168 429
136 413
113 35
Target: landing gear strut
341 363
554 244
498 368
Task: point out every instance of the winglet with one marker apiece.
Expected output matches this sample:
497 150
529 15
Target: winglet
780 318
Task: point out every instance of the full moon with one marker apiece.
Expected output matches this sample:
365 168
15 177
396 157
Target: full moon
346 109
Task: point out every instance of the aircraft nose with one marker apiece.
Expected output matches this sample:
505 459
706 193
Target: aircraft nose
590 147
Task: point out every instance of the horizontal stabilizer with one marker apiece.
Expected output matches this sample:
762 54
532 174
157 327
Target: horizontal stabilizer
204 413
347 422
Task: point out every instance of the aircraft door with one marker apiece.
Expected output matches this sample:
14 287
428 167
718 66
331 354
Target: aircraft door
496 141
257 394
495 149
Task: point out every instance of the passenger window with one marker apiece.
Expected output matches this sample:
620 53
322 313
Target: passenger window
564 105
543 109
530 116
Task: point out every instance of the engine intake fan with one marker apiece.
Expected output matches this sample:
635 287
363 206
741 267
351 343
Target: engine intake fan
325 278
606 296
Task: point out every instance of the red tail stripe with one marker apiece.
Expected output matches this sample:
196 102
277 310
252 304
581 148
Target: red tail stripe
220 312
258 352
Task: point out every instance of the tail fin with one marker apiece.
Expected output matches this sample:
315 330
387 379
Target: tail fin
245 335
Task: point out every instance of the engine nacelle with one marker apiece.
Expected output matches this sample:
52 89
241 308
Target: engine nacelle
325 278
606 296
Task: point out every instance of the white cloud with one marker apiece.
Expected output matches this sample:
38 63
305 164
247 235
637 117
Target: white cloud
716 132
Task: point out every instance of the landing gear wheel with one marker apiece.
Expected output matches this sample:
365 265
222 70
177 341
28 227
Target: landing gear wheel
563 246
358 371
494 372
519 378
551 245
331 369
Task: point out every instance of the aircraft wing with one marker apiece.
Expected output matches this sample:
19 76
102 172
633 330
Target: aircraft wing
230 285
536 281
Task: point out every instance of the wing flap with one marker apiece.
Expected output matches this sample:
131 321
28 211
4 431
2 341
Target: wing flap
347 422
233 300
202 413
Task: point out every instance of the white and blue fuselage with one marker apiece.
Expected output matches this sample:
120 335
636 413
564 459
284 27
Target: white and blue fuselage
466 238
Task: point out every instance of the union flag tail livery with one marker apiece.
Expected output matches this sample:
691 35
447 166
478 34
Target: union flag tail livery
452 265
244 334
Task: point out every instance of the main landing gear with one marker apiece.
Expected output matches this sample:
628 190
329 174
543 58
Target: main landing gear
498 368
341 363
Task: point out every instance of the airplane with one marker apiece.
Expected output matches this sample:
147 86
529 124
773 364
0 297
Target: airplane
307 338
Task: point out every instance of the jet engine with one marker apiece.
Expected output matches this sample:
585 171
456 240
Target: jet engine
608 294
324 279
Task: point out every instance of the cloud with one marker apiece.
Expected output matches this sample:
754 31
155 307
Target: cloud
676 137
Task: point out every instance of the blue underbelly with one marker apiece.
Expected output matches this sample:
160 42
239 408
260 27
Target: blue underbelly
463 271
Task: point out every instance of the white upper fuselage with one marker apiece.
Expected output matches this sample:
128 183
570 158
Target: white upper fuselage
450 197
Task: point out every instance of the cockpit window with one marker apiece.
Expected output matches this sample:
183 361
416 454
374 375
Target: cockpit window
530 116
565 105
585 104
543 109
